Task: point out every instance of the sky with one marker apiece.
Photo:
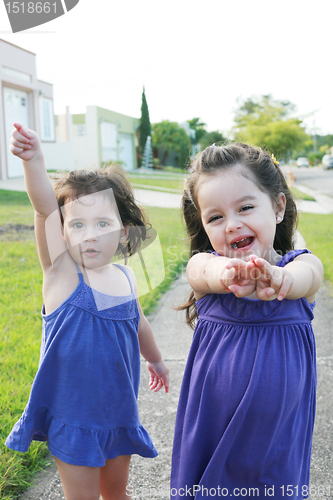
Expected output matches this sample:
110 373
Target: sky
195 58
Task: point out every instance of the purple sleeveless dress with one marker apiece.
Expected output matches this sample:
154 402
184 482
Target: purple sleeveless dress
83 401
247 404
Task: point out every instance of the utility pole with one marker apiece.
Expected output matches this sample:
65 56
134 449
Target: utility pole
314 136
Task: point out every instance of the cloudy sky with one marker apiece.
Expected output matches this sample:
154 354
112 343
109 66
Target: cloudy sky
195 58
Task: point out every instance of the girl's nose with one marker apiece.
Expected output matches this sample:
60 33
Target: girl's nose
90 234
233 223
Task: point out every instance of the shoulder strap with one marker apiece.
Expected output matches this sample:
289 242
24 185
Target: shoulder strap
79 273
127 275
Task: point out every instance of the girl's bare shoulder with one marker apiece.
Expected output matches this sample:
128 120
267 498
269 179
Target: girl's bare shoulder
59 282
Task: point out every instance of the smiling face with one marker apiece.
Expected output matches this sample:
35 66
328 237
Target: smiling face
92 230
238 218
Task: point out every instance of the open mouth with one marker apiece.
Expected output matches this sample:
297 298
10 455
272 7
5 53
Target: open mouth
244 242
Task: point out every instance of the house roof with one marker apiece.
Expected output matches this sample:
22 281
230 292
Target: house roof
5 41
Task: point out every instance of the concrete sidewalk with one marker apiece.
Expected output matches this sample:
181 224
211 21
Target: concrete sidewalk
149 478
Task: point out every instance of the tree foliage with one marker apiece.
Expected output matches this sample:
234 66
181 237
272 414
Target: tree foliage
169 137
210 138
202 137
265 122
144 127
199 129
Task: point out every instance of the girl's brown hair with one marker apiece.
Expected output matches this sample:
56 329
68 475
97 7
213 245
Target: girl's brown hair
73 185
267 176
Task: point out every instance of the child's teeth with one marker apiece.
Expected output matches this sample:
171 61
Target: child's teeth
238 244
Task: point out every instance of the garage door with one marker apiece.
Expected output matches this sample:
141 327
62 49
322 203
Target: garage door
126 151
16 110
109 141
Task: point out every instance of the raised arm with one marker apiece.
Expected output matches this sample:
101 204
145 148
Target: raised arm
25 144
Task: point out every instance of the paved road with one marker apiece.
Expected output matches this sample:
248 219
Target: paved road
314 177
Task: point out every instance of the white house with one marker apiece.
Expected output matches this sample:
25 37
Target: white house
93 138
69 142
23 99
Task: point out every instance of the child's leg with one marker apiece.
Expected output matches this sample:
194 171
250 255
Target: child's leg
114 478
78 482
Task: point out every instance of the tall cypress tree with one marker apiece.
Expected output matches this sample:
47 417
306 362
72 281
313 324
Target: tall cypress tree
144 127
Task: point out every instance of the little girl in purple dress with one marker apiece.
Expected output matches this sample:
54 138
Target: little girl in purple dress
247 405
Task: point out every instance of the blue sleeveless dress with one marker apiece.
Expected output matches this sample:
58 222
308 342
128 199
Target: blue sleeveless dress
83 401
247 404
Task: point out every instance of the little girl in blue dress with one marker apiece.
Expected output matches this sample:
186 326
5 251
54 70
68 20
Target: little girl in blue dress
83 401
247 405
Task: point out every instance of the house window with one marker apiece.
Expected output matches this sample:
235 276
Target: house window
47 119
81 130
16 74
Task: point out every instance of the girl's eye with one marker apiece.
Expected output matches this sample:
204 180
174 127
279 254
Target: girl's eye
245 208
103 224
78 225
214 218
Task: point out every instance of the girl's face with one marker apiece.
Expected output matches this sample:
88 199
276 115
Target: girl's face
92 230
239 219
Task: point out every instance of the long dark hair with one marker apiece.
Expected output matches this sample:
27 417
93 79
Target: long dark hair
269 179
73 185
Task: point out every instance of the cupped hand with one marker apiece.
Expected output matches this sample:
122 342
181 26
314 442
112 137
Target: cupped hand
159 376
272 281
239 277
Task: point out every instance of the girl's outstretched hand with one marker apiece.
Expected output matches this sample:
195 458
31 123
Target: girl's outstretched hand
239 277
24 143
159 375
272 281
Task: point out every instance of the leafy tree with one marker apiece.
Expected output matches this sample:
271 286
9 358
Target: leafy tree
170 137
264 122
210 138
144 127
199 128
202 137
260 110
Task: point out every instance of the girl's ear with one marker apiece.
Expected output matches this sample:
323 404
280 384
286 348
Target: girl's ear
280 207
124 234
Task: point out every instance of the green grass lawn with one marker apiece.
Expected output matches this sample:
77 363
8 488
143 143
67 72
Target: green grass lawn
302 196
317 230
21 324
174 184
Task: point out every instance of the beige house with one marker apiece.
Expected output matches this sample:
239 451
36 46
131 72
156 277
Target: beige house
23 99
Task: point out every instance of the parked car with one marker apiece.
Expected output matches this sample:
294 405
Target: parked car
302 162
327 161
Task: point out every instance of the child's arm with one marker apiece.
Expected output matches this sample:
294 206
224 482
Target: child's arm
25 144
208 273
300 278
159 373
